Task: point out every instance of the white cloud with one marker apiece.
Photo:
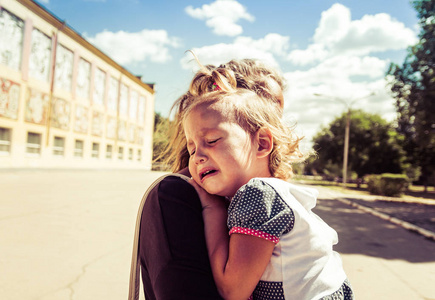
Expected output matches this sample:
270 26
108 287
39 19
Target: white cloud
332 79
333 25
243 47
376 33
338 71
337 34
272 42
222 16
130 47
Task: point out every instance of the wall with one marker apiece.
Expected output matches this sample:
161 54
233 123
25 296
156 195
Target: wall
57 87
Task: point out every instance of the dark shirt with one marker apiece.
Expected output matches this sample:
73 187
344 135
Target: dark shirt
172 248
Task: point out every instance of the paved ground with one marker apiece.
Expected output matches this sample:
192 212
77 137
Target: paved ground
419 214
68 235
382 260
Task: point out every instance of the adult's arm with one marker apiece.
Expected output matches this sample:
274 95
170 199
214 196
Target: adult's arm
172 247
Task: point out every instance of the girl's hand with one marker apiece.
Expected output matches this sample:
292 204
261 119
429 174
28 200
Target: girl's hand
208 200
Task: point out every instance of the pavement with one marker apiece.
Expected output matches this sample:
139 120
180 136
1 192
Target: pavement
67 234
384 257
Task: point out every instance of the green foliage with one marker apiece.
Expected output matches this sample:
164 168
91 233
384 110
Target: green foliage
374 147
386 184
413 87
160 141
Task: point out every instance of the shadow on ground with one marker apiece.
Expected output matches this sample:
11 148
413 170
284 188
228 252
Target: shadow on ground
362 233
419 214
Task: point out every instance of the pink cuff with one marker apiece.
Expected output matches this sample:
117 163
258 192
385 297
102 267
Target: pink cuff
256 233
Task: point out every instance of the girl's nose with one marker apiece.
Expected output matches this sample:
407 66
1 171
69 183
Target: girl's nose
200 156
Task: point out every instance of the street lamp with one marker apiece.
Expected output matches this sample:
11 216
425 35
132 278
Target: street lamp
348 105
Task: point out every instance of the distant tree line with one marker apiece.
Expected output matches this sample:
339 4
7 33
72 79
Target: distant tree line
406 146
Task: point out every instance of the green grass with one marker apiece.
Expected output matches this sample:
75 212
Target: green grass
413 190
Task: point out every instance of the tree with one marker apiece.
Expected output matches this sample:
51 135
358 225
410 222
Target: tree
160 138
374 146
413 87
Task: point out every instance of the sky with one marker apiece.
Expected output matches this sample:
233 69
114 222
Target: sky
333 54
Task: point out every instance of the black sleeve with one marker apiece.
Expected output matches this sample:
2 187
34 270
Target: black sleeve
172 248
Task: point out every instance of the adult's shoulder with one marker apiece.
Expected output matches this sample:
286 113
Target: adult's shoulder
173 180
173 188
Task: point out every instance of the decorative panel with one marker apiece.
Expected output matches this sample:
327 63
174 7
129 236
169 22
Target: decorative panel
111 128
81 119
64 67
60 114
83 79
123 101
112 97
97 123
40 54
99 87
9 98
133 105
36 107
122 130
12 31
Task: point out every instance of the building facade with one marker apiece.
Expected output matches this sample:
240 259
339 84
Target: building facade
64 103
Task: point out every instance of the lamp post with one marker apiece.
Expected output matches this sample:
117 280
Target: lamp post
348 106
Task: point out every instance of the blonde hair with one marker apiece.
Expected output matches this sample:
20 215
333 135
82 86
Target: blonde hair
236 74
251 112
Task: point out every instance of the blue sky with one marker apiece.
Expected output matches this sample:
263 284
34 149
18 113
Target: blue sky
340 49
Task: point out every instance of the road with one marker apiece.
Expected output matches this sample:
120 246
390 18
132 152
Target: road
68 235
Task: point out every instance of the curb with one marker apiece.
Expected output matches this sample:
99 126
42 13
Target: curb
424 232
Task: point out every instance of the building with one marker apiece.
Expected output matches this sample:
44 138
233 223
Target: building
64 103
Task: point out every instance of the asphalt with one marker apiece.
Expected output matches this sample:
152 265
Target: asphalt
67 234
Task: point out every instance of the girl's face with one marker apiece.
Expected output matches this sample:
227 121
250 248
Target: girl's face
222 154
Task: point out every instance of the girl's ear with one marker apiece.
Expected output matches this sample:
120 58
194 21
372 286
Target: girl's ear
265 142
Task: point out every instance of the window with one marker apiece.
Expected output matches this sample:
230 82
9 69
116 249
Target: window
64 67
139 155
130 154
40 55
95 150
120 153
5 140
141 110
109 151
33 146
133 105
78 148
12 31
83 79
123 100
99 87
112 96
58 146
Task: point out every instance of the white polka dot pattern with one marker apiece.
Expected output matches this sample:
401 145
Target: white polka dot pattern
269 290
344 293
256 233
257 206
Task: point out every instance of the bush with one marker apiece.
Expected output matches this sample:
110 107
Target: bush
392 185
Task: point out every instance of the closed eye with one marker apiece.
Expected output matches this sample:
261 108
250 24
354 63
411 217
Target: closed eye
213 141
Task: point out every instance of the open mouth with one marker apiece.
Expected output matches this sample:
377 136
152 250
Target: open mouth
208 172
